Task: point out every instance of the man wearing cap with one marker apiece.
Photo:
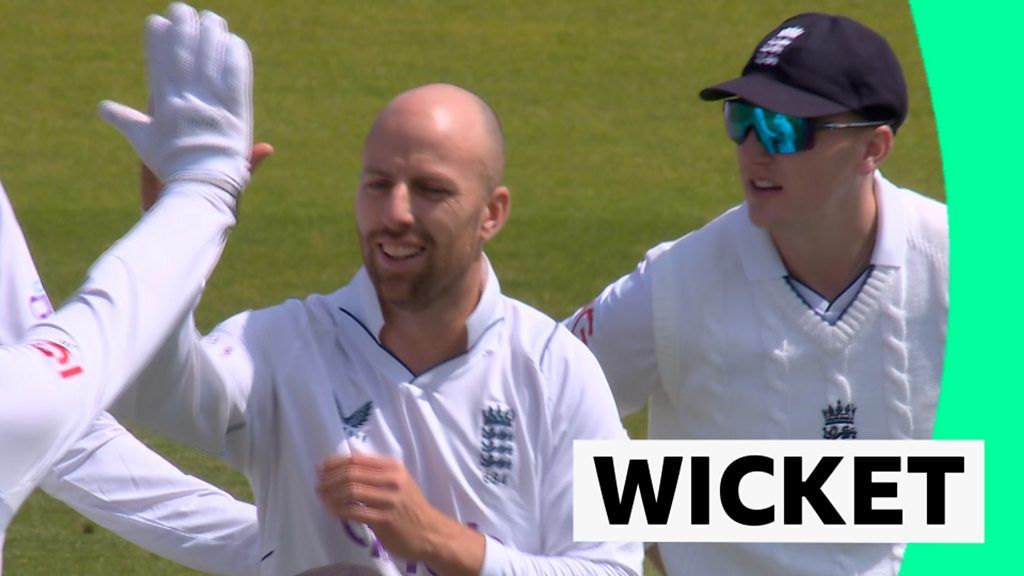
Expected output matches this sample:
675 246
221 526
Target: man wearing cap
815 309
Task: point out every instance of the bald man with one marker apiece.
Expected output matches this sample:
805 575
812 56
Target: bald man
416 421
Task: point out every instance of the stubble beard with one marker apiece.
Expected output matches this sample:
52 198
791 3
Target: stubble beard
418 290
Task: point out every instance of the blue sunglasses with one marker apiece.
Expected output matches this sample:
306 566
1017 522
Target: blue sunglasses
778 133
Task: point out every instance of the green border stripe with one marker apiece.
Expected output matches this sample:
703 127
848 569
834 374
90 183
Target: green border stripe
974 57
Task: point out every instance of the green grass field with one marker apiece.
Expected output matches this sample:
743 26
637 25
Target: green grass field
609 152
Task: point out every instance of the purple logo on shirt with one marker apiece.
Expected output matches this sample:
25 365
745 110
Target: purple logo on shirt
38 303
365 538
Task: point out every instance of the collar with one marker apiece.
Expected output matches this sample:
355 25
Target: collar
761 260
359 299
891 242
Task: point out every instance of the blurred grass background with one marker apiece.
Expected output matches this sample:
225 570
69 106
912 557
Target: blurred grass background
609 152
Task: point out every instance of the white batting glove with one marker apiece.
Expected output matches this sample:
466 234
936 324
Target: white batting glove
200 85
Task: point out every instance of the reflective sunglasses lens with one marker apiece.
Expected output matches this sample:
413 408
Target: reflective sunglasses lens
778 133
738 120
781 133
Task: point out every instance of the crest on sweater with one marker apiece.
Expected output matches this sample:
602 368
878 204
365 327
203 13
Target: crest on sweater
839 421
497 443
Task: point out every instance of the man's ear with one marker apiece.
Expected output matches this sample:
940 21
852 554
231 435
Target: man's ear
495 213
878 148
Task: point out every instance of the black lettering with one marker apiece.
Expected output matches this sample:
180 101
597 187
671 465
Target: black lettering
729 490
638 477
865 490
935 469
795 490
700 490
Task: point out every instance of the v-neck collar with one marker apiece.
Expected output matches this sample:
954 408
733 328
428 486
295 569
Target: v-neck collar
762 264
864 308
358 301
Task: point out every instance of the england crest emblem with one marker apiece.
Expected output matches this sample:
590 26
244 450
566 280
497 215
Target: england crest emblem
839 424
497 443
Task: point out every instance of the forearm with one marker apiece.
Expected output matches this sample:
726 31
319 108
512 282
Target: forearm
500 560
210 540
116 481
454 550
470 553
142 287
83 356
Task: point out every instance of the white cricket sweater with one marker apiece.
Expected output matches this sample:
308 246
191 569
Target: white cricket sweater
708 329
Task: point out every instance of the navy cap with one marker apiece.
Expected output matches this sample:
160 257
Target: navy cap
815 65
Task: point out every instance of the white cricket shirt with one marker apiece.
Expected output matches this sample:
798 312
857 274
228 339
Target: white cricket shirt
73 363
487 434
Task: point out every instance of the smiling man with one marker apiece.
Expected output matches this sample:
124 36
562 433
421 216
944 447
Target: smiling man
415 421
815 309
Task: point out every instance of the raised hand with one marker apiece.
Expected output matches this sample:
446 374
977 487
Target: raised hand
200 86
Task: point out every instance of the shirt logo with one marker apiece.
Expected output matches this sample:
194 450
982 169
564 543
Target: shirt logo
354 422
839 424
39 303
769 52
497 443
583 324
59 354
